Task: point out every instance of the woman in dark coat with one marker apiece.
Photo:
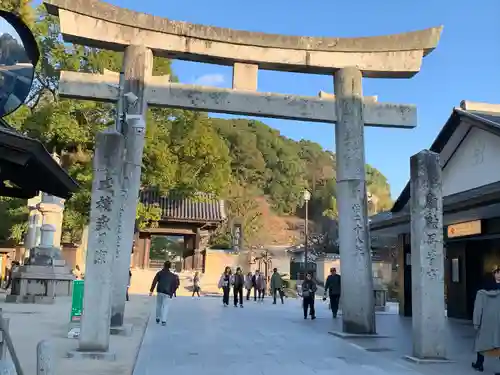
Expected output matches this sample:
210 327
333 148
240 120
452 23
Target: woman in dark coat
128 285
225 285
308 295
486 320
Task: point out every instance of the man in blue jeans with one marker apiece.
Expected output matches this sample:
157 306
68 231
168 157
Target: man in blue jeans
166 284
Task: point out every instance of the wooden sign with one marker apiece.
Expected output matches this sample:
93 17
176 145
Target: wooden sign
468 228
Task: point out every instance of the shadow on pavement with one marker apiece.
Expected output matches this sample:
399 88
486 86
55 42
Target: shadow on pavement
397 342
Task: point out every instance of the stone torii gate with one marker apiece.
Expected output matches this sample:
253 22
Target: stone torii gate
97 24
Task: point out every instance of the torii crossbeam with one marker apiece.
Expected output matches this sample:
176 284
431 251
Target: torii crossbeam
102 25
162 93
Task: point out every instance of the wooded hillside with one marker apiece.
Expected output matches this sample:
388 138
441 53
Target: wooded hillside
238 160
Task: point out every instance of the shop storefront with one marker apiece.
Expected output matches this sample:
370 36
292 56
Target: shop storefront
469 146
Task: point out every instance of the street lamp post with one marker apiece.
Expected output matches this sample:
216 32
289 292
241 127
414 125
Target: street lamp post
307 197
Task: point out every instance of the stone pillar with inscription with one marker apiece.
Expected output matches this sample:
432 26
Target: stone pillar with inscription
103 233
197 256
237 235
137 69
427 263
52 209
358 305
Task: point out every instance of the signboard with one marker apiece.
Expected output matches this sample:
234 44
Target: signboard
76 310
237 237
77 302
468 228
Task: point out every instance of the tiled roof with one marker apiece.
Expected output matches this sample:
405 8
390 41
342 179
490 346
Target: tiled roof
202 208
40 172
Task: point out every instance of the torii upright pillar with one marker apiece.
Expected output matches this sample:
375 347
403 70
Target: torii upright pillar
358 305
137 69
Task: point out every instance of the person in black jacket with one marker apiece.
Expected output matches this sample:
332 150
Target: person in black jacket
225 284
177 284
127 298
238 282
308 294
166 284
333 288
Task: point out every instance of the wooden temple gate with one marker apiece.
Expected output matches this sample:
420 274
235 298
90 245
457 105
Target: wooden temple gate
194 219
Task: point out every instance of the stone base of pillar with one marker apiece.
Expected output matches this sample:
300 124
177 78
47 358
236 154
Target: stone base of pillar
40 284
100 356
425 361
345 335
123 330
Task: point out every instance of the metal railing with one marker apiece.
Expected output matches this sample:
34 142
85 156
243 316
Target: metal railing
6 345
44 358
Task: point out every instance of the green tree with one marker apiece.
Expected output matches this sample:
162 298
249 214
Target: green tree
166 247
241 206
203 162
23 8
183 152
14 219
379 189
332 211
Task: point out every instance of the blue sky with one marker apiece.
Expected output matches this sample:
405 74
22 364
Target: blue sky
464 66
5 27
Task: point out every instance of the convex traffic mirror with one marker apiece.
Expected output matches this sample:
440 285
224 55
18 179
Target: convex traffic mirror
18 57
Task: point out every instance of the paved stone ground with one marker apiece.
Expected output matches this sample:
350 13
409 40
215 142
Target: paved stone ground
201 336
30 323
459 336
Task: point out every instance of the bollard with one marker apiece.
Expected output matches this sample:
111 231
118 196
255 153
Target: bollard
3 345
44 359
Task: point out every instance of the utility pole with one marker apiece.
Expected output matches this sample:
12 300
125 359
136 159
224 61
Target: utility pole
307 197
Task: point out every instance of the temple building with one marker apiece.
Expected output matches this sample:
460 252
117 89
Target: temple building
27 168
193 218
469 149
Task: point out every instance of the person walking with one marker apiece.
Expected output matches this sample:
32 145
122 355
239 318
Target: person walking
262 287
127 298
77 272
196 284
276 286
177 283
165 283
238 282
248 284
225 285
486 320
333 288
255 284
13 269
308 294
